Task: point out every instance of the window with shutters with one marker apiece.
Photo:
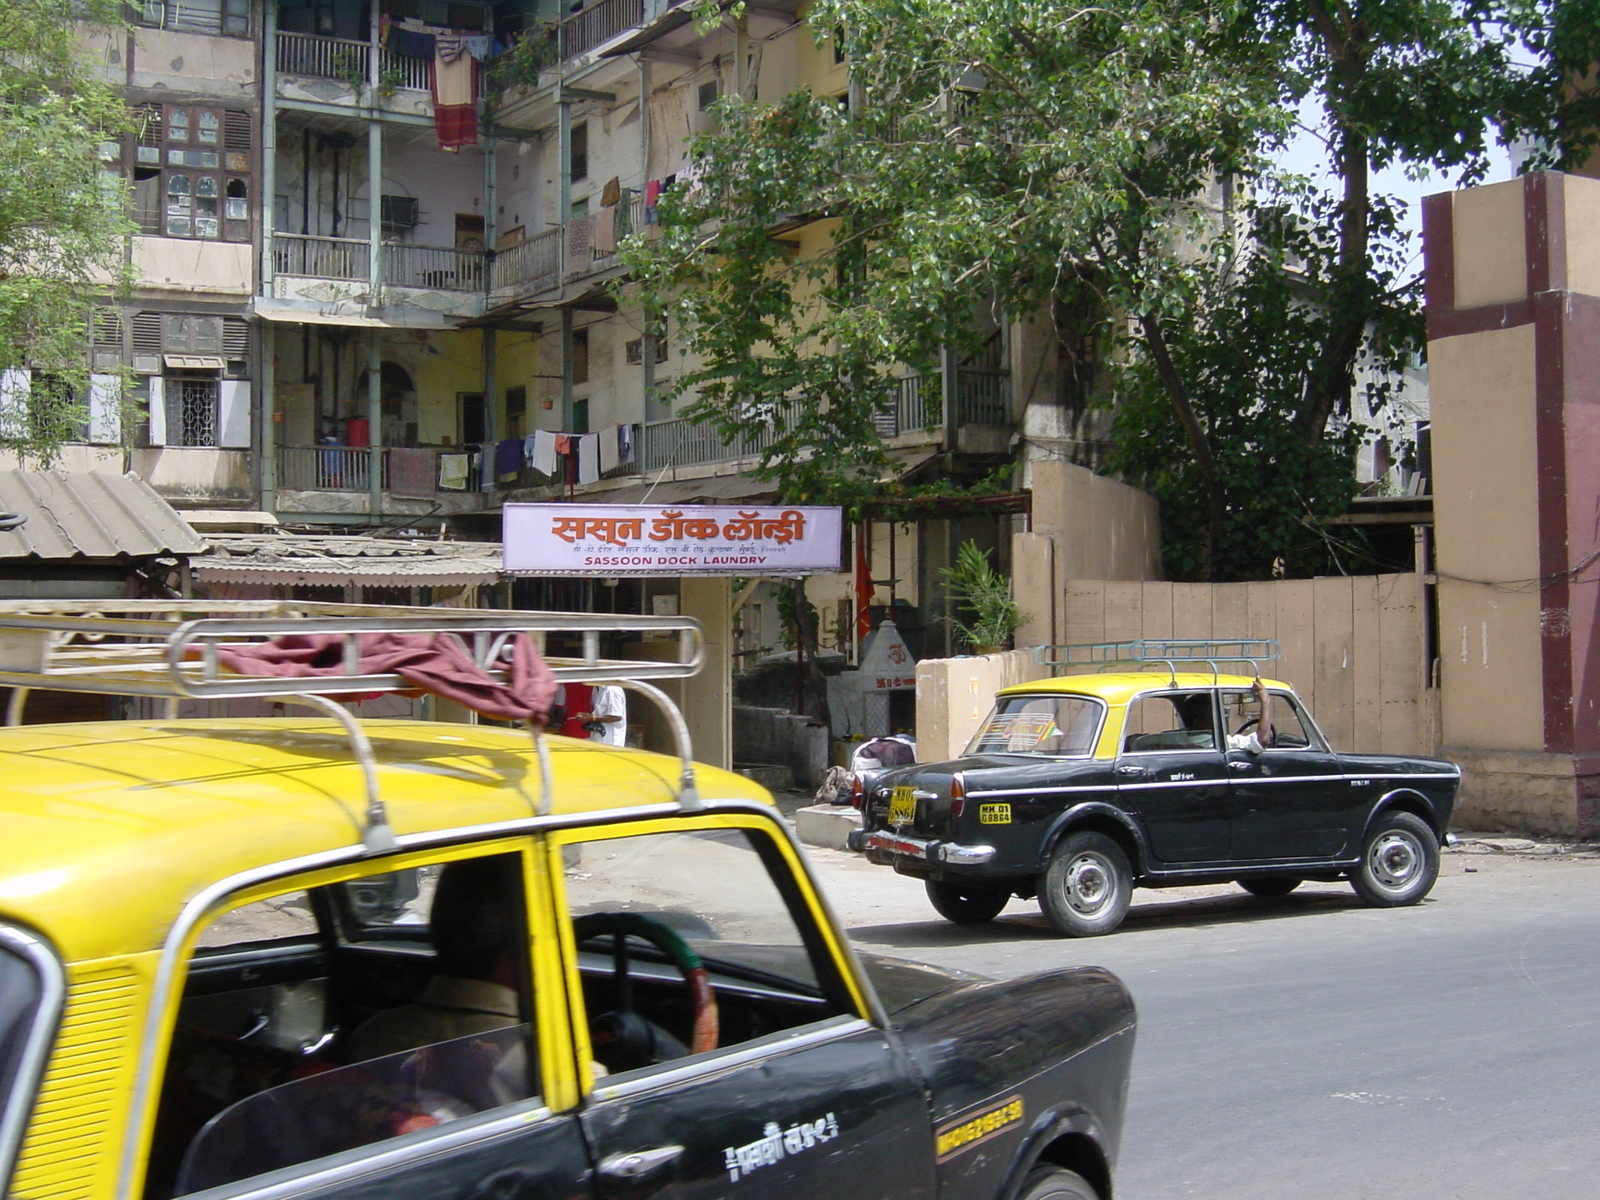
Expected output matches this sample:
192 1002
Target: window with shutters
185 333
228 17
191 166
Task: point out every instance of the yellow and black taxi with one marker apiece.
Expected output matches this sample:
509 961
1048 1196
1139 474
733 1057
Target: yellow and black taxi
276 957
1079 788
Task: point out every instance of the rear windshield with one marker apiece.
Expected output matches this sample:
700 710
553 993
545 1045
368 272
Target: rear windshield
1056 725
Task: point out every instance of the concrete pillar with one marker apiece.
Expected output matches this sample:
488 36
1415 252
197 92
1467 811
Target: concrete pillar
708 697
1513 306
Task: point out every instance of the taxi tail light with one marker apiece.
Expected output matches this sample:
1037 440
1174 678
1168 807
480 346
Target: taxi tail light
858 796
958 796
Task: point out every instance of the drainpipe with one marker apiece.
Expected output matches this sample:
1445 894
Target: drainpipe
374 270
490 433
564 167
490 227
374 211
647 343
566 369
267 343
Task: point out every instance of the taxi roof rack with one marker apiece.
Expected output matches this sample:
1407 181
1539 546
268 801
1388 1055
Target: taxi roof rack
168 649
1144 653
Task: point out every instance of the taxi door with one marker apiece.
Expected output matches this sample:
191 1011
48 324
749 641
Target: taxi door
721 1025
1171 774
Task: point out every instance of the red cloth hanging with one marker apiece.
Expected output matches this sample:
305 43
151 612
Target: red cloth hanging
863 585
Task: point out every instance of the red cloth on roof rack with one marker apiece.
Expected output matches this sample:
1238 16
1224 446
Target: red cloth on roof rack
434 662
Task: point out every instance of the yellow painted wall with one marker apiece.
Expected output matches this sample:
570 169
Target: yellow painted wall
1486 505
458 367
1491 262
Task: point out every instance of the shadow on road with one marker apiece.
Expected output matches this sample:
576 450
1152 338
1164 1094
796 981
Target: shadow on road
1146 917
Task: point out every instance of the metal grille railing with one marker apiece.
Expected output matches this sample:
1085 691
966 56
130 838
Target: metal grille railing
597 24
983 396
683 443
325 57
910 411
327 468
445 267
196 412
319 257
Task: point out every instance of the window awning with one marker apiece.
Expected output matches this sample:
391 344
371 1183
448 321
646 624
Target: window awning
195 362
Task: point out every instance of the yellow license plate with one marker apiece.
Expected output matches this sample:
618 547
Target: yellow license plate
902 806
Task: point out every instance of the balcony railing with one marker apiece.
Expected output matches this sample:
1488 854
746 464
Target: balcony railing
446 268
320 257
324 57
597 24
910 411
983 396
327 468
535 261
342 58
683 443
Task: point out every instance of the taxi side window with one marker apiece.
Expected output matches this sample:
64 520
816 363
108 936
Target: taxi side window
692 941
291 1049
1285 728
1170 721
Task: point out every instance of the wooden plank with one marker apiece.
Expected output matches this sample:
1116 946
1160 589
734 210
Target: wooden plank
1122 616
1083 616
1292 599
1230 611
1191 610
1403 675
1261 611
1331 659
1366 651
1157 615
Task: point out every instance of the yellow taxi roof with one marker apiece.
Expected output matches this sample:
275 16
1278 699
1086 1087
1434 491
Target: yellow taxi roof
1118 687
111 827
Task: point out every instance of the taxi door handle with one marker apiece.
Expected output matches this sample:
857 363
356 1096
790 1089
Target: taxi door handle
1240 764
638 1162
1133 771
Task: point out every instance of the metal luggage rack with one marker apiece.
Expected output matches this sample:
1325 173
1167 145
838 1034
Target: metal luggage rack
1145 653
168 649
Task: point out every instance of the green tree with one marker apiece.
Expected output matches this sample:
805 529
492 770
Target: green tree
62 215
1012 154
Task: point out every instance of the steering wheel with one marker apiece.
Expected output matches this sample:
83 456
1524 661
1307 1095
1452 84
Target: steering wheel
622 1038
1248 724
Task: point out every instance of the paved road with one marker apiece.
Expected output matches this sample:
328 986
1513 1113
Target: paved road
1311 1048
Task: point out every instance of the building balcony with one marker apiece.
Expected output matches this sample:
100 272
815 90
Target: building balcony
310 56
563 254
435 268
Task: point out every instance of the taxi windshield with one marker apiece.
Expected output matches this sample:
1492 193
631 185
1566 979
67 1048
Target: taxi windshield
1054 725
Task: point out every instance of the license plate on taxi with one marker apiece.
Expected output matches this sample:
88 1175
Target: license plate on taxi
902 806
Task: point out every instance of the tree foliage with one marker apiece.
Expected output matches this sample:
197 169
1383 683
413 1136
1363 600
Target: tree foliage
62 216
1000 156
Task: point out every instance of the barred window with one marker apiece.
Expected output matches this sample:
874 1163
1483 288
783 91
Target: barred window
230 17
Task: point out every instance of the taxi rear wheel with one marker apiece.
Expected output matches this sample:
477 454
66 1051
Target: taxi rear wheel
1086 889
965 903
1055 1183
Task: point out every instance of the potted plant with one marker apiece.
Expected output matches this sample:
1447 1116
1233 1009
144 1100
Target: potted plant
977 586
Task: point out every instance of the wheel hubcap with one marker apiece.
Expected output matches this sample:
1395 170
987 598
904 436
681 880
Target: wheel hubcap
1089 884
1395 860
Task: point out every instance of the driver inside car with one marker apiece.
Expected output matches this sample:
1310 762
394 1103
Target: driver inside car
473 927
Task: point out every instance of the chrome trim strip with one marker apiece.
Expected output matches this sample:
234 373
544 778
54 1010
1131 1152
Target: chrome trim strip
1045 791
824 1031
18 1105
444 1139
1105 787
166 967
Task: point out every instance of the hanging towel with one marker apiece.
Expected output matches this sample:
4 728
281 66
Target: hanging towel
408 43
603 238
508 459
652 197
544 452
589 458
455 98
451 47
453 471
563 443
610 458
530 447
611 193
478 45
625 442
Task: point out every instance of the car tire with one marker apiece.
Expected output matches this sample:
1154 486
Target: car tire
1086 889
1056 1183
1268 886
1399 861
965 903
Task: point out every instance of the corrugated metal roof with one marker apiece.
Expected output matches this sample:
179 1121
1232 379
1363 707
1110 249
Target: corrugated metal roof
90 515
284 558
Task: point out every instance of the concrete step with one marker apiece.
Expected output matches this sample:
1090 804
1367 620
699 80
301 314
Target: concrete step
826 824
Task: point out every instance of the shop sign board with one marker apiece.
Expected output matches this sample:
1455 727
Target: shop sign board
687 539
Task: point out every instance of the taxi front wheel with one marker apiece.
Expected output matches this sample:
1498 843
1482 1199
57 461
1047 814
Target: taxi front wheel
1399 861
1086 889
